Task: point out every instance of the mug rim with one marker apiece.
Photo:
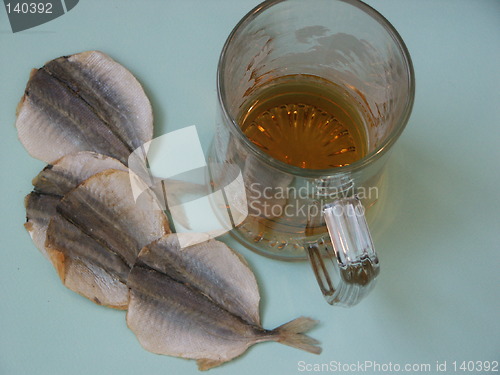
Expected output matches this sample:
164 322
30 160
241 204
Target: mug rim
358 164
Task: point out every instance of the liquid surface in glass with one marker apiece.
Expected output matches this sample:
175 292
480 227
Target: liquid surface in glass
305 121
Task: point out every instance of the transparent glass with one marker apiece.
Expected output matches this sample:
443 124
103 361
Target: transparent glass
293 212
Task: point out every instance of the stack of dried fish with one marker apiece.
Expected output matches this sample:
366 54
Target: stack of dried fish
84 115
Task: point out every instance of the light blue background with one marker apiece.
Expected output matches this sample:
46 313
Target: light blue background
437 298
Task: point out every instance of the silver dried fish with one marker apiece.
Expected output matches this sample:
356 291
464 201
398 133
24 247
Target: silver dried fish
83 102
96 234
56 180
201 302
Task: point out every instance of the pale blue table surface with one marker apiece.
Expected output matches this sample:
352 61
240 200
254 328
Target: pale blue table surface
438 296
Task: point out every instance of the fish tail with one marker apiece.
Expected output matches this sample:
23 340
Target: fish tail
292 334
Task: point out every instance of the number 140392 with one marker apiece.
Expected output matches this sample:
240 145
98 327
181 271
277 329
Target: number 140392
29 8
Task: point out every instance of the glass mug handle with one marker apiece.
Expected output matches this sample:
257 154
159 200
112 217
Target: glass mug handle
348 270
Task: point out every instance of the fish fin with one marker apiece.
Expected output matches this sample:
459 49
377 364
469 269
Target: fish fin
292 334
28 225
39 209
58 260
206 363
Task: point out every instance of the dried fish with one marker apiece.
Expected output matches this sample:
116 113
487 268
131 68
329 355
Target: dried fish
83 102
201 302
96 234
39 210
53 182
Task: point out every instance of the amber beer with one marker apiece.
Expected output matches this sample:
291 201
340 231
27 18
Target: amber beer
306 121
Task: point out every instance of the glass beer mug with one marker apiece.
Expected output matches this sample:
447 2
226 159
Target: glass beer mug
312 96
